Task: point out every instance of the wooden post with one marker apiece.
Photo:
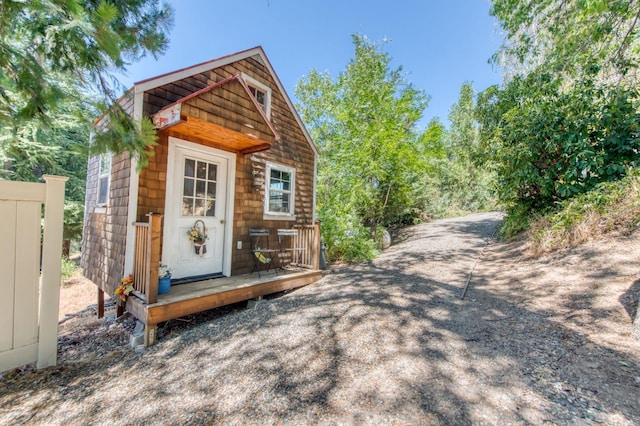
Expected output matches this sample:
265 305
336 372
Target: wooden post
100 303
315 250
155 220
51 269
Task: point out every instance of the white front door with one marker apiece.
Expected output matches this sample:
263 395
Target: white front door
197 189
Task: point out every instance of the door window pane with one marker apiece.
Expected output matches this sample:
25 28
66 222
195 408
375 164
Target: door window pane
189 168
211 208
202 170
188 187
211 190
199 207
200 188
187 206
213 172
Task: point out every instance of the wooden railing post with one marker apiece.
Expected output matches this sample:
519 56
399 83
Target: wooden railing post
315 248
151 286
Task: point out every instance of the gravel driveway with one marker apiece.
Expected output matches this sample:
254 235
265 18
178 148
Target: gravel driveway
389 342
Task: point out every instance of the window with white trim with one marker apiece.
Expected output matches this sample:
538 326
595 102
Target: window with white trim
260 96
280 190
104 176
261 92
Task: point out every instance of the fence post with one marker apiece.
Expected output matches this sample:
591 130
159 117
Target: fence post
51 266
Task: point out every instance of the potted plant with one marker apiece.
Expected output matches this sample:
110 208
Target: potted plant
124 289
164 278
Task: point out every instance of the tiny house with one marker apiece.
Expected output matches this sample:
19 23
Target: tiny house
232 155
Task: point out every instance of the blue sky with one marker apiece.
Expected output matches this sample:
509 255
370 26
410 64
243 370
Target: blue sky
439 43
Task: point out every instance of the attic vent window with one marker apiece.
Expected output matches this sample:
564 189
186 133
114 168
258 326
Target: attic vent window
261 92
260 96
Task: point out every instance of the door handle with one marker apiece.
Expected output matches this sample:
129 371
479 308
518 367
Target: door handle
222 221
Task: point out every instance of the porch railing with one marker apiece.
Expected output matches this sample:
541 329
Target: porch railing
309 239
147 258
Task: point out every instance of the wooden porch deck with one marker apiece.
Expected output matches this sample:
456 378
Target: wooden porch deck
186 299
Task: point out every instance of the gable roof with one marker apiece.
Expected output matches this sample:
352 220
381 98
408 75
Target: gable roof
180 74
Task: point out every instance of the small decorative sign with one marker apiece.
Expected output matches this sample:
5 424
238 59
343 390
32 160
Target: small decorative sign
167 117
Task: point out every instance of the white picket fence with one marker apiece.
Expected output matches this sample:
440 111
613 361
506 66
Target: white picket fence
29 295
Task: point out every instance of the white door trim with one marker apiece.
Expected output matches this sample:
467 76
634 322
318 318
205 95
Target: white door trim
230 184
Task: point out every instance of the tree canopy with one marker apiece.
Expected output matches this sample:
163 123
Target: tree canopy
364 123
566 117
65 52
570 37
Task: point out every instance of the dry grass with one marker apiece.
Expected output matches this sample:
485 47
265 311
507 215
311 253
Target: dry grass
76 295
614 208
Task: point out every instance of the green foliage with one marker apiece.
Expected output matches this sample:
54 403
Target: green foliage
462 188
73 219
462 185
517 220
370 153
58 149
68 270
121 132
347 239
63 53
554 142
463 132
605 196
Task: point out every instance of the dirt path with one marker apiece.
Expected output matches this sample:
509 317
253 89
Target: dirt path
391 342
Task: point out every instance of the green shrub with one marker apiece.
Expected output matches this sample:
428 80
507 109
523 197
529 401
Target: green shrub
69 269
517 220
346 238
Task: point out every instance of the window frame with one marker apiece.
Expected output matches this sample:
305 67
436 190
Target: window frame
104 175
256 85
268 214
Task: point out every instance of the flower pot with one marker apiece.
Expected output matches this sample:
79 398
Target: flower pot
164 284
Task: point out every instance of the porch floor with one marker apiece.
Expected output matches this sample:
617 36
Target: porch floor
199 296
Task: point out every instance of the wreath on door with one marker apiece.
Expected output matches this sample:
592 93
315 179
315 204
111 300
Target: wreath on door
198 234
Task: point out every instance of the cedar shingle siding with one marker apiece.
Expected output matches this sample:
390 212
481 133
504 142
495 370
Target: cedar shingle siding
226 106
105 233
